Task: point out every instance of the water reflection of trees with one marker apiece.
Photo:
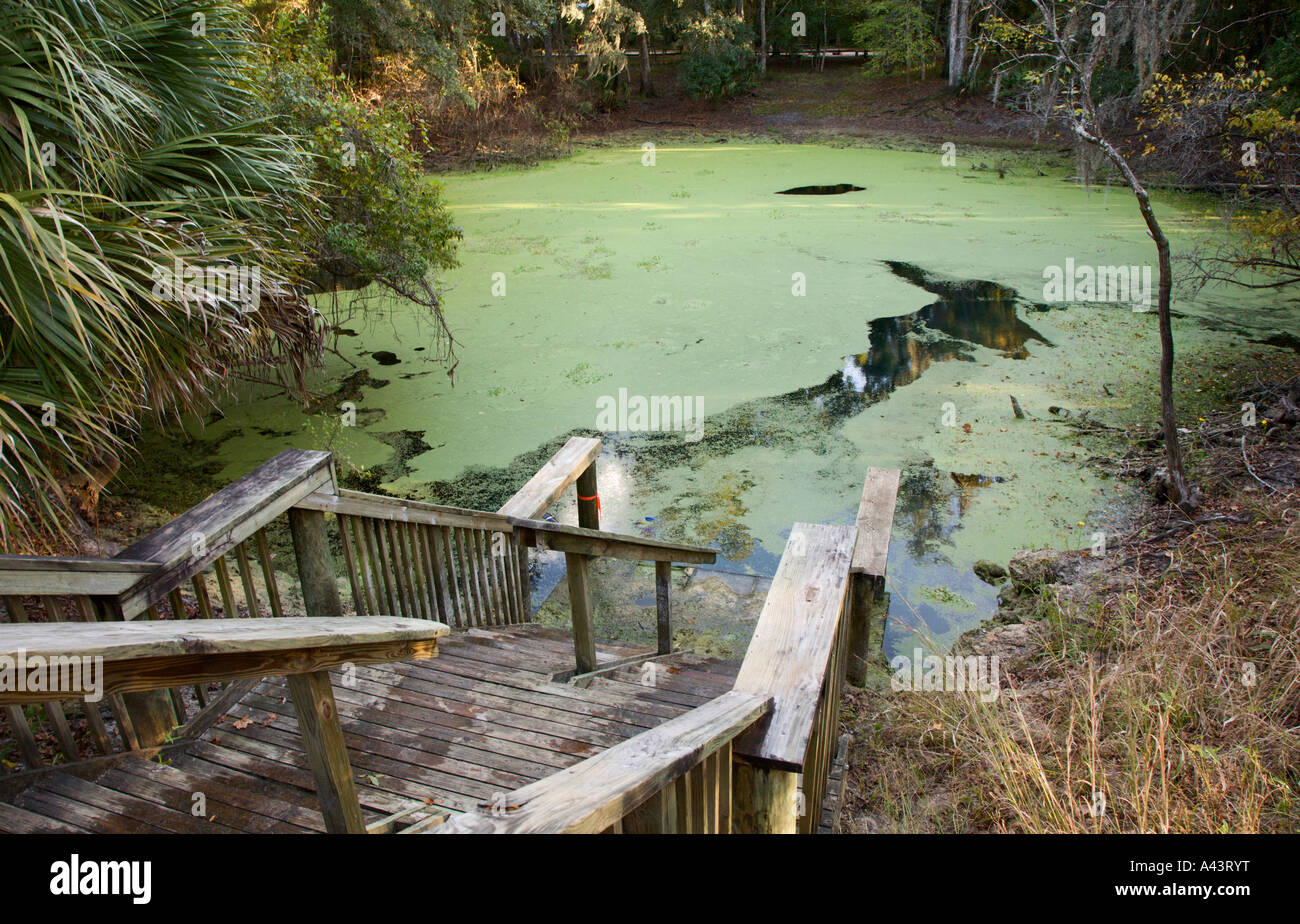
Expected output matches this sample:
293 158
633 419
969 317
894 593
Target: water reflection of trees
926 512
901 349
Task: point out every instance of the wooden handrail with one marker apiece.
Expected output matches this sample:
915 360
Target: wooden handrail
875 521
599 544
794 640
552 479
875 524
43 574
796 656
599 792
143 655
361 504
204 533
149 655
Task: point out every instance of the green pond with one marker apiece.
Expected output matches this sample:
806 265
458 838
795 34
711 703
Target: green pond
920 316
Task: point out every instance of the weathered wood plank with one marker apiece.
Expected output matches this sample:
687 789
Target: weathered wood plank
599 544
875 521
327 755
397 509
225 519
38 575
790 653
553 478
14 820
580 605
123 641
245 568
596 793
663 606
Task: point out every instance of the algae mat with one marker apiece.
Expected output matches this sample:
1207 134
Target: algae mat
819 335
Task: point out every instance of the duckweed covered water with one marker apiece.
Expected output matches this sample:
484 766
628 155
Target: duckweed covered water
919 318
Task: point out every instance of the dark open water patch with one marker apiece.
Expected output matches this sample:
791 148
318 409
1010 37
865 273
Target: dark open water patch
838 189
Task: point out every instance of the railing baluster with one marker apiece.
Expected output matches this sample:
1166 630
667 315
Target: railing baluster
201 595
395 564
365 565
418 576
350 563
94 721
423 574
374 533
402 564
268 574
442 539
480 575
116 705
434 576
22 733
724 789
246 579
493 580
525 596
54 708
223 583
467 581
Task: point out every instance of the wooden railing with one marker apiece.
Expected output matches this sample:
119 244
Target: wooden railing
755 760
185 568
674 778
575 464
139 656
425 561
875 524
219 560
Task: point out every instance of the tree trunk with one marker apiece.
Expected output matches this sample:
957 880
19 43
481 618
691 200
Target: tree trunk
953 67
963 39
762 37
958 40
643 47
1180 492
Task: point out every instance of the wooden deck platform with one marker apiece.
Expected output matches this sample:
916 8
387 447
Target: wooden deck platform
428 738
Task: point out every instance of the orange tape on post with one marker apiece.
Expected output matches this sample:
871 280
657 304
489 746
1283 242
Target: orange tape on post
595 497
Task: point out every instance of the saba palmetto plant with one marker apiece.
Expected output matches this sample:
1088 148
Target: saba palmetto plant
150 220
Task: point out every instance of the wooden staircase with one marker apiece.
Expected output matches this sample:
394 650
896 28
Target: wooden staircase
245 694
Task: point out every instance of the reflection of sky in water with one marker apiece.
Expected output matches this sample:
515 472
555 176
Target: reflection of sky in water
930 503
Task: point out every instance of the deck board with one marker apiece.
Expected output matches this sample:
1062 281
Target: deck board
447 734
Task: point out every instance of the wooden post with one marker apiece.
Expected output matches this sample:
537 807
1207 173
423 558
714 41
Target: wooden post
145 720
656 815
764 801
311 548
864 594
663 584
327 755
588 509
584 639
875 525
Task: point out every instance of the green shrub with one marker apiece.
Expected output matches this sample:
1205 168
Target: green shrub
383 219
718 57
